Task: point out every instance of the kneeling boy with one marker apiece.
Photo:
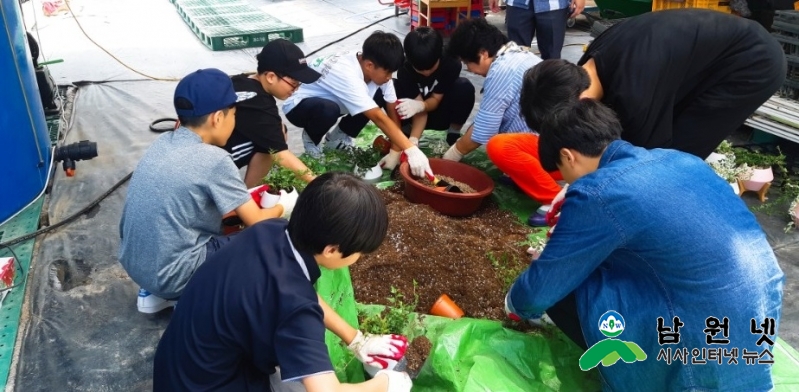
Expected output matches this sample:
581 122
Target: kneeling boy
252 308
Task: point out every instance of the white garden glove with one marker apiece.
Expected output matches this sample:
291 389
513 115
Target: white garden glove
397 381
420 166
453 154
288 201
391 160
407 108
414 140
378 352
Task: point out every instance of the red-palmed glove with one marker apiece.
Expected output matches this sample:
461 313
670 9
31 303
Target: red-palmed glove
378 352
553 214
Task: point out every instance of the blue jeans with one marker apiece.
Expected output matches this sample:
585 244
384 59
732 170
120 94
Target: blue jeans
550 27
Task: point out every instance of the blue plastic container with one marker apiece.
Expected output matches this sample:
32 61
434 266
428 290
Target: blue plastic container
24 139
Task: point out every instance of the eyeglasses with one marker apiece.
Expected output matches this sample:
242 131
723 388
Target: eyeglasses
294 85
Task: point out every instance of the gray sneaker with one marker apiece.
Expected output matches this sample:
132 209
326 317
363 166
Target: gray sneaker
337 140
310 147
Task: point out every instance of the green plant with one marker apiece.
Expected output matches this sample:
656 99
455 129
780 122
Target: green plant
315 165
725 148
397 318
507 266
280 177
363 158
759 160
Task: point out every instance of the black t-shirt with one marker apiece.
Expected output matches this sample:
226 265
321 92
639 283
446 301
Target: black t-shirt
259 127
653 65
249 308
410 83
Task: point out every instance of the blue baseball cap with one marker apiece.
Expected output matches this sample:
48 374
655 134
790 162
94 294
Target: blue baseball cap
205 91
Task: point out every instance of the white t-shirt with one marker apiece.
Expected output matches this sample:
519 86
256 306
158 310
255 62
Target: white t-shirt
342 82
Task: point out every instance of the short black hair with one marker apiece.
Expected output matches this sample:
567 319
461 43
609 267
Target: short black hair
549 86
473 35
587 127
384 50
196 122
338 208
423 48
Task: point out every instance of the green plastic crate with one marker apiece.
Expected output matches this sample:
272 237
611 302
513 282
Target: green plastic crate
228 25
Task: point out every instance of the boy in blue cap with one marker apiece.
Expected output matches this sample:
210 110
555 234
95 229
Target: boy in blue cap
180 190
250 318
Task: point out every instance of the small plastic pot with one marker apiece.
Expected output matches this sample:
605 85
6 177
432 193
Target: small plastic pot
446 307
269 200
372 175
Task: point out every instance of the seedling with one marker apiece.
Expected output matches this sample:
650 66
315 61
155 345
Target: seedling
280 178
397 318
363 158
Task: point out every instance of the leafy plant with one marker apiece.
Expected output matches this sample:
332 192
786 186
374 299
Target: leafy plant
364 158
397 318
315 165
759 160
282 178
727 169
507 266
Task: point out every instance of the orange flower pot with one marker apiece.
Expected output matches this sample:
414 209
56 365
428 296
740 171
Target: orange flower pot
446 307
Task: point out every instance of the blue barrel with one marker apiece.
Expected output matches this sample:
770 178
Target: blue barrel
24 139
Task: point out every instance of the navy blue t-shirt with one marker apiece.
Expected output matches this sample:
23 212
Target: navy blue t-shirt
249 308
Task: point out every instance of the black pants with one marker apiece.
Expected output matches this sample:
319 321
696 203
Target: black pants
549 27
317 115
727 96
454 108
564 315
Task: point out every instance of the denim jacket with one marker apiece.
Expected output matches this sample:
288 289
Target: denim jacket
657 234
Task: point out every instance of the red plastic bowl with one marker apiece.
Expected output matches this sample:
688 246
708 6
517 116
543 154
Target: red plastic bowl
447 203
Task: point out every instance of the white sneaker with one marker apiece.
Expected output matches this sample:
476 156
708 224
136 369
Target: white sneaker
148 303
310 147
337 140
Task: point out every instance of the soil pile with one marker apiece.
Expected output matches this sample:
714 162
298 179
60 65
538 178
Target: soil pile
444 255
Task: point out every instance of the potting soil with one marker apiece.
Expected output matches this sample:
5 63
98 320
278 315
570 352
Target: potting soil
443 255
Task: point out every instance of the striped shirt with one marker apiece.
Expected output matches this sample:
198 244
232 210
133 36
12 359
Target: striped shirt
499 110
540 5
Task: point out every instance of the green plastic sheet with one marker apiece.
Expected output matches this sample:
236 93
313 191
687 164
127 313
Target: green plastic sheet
481 355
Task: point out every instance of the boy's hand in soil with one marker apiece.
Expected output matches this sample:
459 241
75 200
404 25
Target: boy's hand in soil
379 351
511 312
287 200
397 381
418 162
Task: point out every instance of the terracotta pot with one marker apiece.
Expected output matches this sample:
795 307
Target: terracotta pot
448 203
759 178
446 307
382 144
373 175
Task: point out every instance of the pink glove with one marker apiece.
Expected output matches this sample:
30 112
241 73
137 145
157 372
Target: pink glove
378 352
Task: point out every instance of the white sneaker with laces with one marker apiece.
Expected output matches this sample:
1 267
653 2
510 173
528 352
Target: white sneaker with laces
148 303
310 147
337 140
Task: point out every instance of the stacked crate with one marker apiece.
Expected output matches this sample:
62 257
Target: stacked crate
443 19
786 31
